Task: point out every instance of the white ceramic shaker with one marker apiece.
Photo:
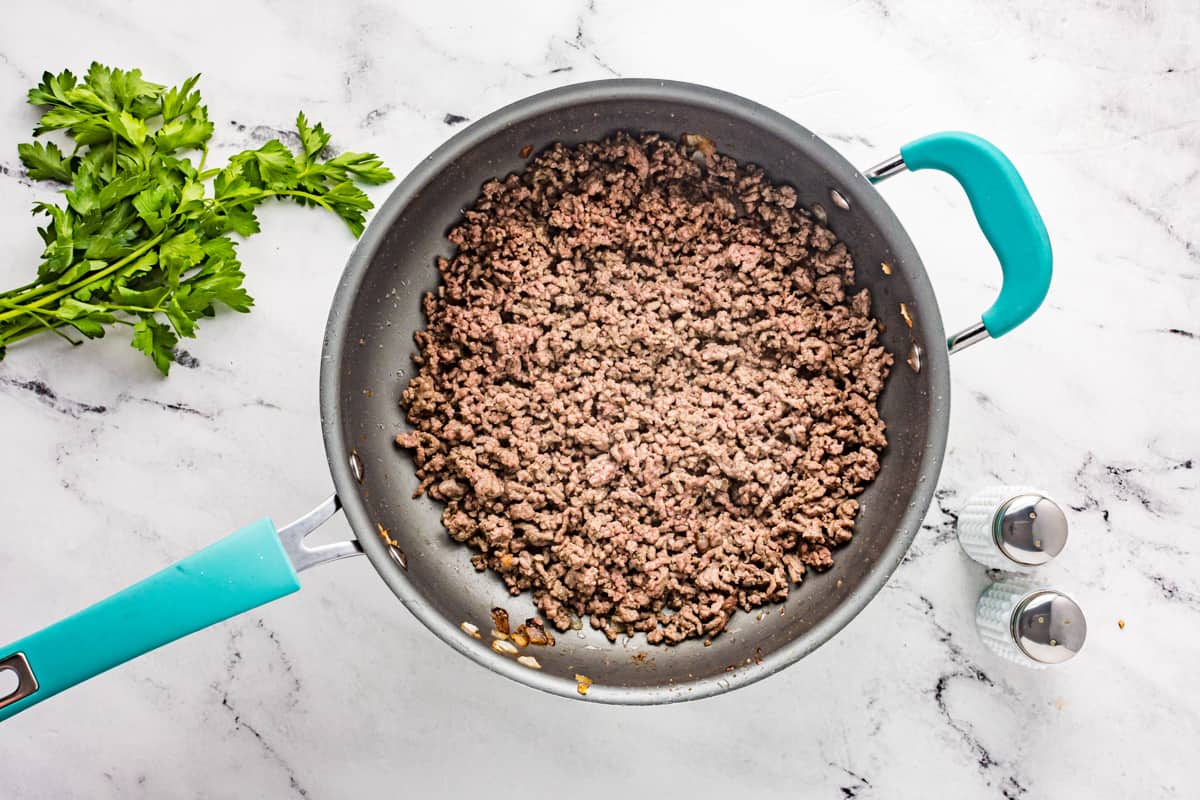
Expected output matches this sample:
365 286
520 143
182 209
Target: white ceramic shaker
1013 528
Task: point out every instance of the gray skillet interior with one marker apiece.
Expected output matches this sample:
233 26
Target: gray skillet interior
367 361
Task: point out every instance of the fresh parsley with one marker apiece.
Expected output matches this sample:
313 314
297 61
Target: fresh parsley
143 237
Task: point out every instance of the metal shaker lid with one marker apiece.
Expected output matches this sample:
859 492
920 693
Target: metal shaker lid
1049 627
1030 529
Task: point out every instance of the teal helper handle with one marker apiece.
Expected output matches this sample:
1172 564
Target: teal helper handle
1006 213
242 571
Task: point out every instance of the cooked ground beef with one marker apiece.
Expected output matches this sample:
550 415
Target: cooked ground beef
647 390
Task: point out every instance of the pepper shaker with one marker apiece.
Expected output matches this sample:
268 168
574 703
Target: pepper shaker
1030 625
1012 528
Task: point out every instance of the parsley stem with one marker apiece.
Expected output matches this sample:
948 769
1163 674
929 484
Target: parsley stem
282 193
130 309
21 331
19 290
25 293
53 327
307 195
85 281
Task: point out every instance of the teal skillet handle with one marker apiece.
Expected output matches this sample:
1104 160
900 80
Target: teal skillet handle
238 573
1006 213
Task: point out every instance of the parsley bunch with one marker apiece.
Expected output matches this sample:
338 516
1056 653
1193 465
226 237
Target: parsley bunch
143 239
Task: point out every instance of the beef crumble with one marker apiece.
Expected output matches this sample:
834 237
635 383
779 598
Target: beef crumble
647 388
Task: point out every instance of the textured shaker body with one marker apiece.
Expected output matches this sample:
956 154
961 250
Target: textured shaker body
1013 528
1029 625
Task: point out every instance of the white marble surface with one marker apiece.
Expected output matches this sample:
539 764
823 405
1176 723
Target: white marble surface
107 472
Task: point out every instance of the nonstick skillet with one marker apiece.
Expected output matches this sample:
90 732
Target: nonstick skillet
368 340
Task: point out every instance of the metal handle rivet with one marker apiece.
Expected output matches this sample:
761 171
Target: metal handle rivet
26 681
914 357
10 682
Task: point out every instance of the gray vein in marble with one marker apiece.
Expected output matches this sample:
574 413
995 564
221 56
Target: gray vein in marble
583 43
47 396
293 693
232 662
1171 591
943 530
385 110
1124 484
360 62
186 360
881 7
20 73
376 114
1114 481
259 134
182 408
943 499
524 73
850 138
16 172
955 652
50 398
1002 420
268 749
851 790
1168 227
967 670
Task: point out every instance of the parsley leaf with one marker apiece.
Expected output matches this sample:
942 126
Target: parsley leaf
364 166
314 139
143 237
45 162
157 341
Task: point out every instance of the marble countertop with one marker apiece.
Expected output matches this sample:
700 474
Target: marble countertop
109 472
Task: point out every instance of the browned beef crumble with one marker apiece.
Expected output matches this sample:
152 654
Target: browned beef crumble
647 390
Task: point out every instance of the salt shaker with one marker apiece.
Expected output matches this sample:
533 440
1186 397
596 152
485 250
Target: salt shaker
1029 625
1012 528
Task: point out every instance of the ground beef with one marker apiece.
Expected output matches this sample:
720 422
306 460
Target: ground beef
647 388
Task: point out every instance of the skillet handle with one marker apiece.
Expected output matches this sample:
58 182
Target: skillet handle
242 571
1006 213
